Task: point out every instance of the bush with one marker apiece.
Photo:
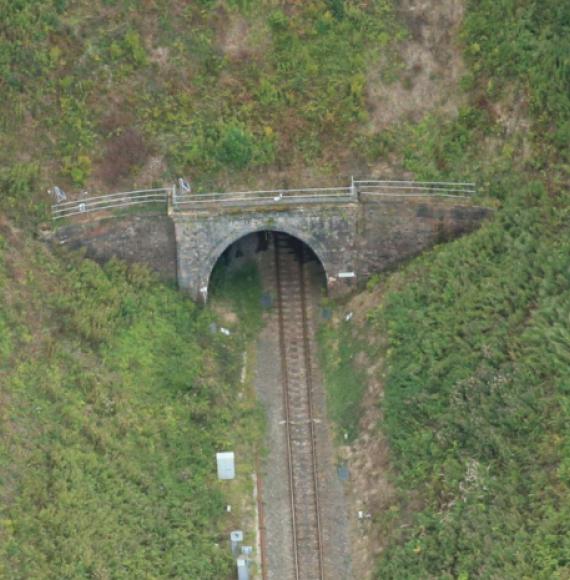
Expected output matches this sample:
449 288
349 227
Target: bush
477 363
18 193
235 147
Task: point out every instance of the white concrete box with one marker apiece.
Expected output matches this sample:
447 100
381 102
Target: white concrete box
226 465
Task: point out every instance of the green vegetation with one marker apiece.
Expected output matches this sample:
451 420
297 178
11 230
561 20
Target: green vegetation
476 395
115 399
476 400
207 88
477 366
240 290
345 382
114 391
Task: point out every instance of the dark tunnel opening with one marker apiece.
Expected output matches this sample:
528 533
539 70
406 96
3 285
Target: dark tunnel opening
249 253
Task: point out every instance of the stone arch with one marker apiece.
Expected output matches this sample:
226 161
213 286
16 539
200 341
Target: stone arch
214 255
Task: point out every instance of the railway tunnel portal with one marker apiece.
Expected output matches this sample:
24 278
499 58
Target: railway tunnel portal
202 241
253 248
355 231
300 240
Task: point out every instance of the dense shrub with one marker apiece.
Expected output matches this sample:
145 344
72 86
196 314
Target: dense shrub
294 82
235 147
476 390
115 398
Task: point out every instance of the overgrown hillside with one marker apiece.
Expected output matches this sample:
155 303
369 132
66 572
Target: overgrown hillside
115 397
103 94
114 393
470 344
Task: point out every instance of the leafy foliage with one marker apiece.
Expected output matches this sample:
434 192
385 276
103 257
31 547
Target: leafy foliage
115 399
476 400
207 100
476 390
18 200
529 42
241 289
114 392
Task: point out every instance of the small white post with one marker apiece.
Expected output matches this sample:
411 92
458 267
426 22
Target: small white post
204 293
352 186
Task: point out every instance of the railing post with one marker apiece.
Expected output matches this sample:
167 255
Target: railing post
353 192
171 199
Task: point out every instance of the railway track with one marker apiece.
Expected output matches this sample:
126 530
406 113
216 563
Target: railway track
295 347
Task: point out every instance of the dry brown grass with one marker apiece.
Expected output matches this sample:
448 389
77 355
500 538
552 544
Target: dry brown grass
430 62
124 152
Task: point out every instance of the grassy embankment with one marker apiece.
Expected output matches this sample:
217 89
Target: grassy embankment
110 93
476 334
115 398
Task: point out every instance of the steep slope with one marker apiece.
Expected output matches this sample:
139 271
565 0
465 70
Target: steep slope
468 368
115 397
459 414
462 451
106 94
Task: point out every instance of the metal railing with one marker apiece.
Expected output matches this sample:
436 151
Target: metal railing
189 201
415 188
186 201
111 201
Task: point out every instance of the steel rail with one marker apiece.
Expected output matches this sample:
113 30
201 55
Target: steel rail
261 522
383 194
182 201
69 212
222 201
265 198
112 202
285 380
112 195
104 202
268 191
416 188
356 181
306 385
283 194
308 366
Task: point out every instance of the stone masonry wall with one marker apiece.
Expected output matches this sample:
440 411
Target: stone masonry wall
329 231
364 238
148 240
392 230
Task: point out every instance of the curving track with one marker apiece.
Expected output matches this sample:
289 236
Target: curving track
299 421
